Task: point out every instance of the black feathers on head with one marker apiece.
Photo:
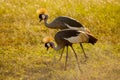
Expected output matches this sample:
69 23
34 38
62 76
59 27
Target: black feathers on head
40 17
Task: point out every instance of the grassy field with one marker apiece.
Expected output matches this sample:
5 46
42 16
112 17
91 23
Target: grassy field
22 52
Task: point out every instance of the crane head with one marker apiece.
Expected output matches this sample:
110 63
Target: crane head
42 13
48 45
43 17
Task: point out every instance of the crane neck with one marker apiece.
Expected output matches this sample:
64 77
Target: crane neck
49 25
46 23
55 47
51 44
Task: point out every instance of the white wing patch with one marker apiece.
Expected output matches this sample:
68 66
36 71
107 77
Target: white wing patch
81 38
75 28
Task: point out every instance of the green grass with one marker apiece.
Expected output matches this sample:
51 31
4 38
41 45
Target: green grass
22 52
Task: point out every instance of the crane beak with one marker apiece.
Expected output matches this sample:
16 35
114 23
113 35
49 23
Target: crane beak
40 20
47 48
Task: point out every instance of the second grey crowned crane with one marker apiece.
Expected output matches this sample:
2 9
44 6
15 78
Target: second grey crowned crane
62 22
67 37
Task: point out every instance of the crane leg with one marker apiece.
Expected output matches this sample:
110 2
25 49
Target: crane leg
83 50
76 59
66 59
61 54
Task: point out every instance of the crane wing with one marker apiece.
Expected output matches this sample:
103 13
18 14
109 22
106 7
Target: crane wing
72 22
74 36
80 38
76 28
64 23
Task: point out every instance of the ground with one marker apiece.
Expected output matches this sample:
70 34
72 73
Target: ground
22 52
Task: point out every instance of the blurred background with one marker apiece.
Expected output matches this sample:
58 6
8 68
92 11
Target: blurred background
22 52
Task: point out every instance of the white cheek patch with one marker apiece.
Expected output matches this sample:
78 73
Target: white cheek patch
81 38
48 44
43 16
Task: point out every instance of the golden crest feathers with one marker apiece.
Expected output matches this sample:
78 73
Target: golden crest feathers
47 39
41 11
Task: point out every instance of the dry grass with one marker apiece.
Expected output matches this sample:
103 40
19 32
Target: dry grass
22 52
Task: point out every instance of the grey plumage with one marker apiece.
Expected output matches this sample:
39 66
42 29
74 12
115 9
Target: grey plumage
65 38
62 37
60 22
63 22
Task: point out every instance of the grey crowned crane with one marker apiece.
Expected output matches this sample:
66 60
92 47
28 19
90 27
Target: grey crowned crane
62 22
67 37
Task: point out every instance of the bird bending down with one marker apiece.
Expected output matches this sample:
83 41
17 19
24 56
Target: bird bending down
67 37
62 22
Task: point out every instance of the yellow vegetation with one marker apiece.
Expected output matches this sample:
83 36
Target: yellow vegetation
22 37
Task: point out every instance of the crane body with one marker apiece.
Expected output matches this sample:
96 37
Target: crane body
67 37
62 22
